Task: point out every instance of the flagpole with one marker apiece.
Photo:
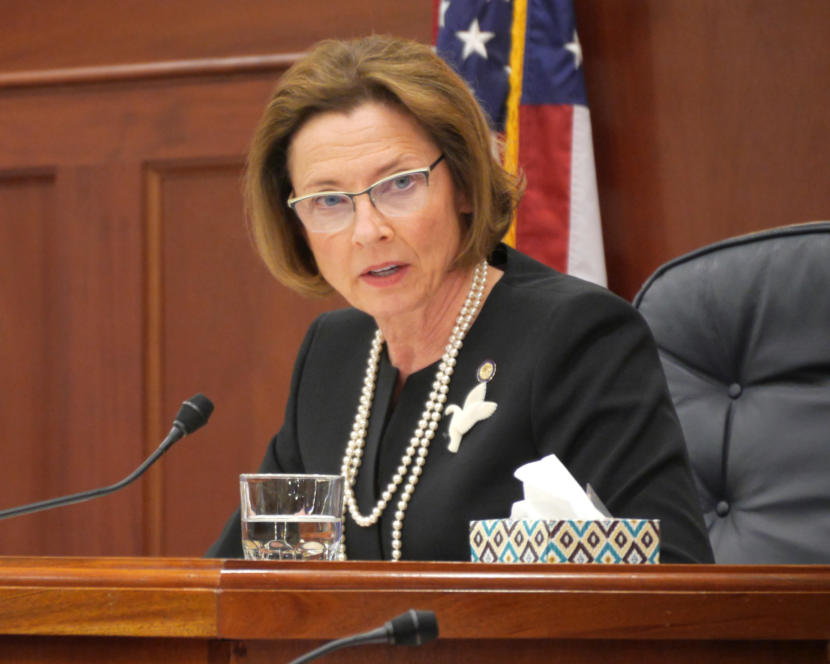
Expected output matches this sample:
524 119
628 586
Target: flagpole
514 98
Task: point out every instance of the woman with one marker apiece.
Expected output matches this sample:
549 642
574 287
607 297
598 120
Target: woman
372 174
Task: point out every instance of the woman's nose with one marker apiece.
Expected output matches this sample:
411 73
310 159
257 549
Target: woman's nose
369 225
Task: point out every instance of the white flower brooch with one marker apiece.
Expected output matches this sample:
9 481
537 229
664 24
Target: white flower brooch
475 409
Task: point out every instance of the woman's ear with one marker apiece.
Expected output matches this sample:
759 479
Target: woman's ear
462 202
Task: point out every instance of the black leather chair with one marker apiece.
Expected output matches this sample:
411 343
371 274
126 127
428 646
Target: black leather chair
743 329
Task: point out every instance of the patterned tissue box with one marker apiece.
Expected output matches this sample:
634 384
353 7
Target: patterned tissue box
633 541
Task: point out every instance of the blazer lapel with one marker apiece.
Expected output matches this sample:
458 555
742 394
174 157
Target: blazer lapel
368 483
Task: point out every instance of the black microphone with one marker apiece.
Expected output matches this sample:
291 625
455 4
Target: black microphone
412 628
193 414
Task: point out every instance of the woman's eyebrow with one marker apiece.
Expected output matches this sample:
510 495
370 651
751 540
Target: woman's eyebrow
386 169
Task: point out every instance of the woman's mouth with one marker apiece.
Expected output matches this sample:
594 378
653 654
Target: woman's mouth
384 275
384 271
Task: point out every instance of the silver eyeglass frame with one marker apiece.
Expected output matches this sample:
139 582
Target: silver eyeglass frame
292 202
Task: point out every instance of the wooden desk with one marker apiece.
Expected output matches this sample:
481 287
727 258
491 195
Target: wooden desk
158 610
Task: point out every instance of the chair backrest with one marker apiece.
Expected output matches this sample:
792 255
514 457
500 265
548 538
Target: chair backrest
743 329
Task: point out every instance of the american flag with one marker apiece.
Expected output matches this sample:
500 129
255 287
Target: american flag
523 59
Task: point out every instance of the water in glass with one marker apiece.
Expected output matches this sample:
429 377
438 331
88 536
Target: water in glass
296 537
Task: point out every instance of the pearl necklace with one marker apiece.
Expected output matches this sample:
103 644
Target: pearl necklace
424 433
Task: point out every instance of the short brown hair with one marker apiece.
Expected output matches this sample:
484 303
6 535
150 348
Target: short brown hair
340 76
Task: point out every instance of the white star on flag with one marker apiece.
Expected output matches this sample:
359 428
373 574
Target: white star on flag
576 48
474 40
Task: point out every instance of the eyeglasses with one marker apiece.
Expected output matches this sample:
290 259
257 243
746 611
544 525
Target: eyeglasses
394 196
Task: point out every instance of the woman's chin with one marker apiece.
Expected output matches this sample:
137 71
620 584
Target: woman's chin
385 307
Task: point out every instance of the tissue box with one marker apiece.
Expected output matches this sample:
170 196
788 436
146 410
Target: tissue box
634 541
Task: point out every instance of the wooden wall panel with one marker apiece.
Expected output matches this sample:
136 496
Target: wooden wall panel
27 214
53 34
230 331
710 120
70 278
110 257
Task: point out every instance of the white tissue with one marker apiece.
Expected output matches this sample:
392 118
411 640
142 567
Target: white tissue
551 492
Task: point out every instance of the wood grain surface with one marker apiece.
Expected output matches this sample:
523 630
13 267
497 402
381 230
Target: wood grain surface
249 611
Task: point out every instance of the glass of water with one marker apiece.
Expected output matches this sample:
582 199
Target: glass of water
291 517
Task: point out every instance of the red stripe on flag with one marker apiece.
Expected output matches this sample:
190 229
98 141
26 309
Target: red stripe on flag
543 220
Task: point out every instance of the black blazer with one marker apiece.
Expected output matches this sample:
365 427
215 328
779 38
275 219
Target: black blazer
577 375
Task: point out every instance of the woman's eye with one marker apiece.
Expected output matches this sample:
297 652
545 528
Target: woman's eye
328 201
402 182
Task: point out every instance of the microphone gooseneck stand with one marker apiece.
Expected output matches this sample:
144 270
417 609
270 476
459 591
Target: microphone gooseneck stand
192 415
412 628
